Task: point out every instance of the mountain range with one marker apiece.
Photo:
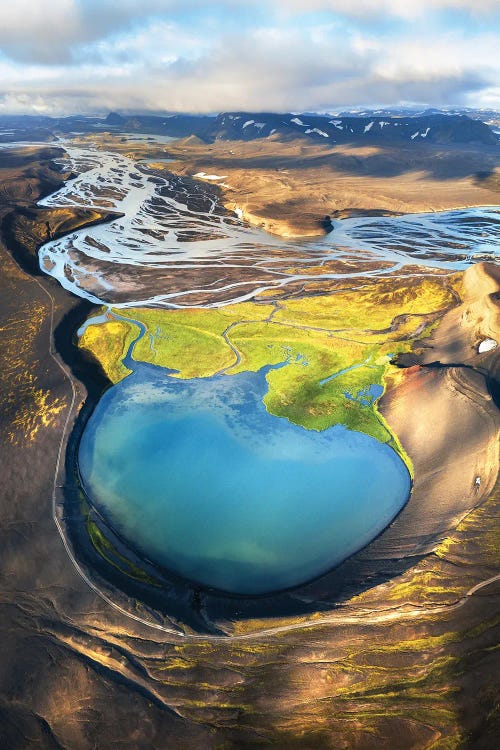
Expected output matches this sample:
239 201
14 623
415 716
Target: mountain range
367 128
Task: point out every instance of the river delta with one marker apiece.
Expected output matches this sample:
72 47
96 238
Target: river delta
271 418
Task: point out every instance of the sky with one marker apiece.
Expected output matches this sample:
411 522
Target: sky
94 56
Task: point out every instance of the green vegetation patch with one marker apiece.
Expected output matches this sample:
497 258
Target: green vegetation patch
109 342
191 341
372 308
108 552
336 348
326 381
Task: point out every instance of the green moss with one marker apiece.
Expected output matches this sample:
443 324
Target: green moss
108 552
373 308
350 335
191 341
109 343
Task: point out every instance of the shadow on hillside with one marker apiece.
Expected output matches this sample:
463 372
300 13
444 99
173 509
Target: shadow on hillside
436 162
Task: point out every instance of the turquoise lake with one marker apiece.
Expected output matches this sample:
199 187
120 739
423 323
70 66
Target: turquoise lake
199 478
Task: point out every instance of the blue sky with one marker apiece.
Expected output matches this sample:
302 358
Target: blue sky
92 56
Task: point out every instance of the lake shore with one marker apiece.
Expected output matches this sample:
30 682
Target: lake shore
84 656
438 500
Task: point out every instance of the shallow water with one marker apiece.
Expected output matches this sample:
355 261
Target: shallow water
175 242
196 475
199 478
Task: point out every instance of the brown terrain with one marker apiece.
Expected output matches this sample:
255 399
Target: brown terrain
444 413
408 662
288 188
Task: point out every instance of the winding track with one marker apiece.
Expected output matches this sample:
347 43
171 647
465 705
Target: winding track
404 611
364 617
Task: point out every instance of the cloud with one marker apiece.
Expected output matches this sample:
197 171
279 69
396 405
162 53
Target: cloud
50 32
398 8
108 55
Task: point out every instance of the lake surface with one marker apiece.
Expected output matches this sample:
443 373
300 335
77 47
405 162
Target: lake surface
199 478
195 475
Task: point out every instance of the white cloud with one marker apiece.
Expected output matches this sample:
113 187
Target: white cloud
447 54
50 31
398 8
98 59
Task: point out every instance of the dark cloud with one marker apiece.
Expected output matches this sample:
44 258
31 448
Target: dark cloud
183 88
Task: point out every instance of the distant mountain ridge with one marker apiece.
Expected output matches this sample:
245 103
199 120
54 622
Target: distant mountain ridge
428 127
436 128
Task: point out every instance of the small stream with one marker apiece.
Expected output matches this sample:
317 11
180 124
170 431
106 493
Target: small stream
195 475
175 243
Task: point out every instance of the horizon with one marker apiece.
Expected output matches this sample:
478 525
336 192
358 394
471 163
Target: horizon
401 110
87 57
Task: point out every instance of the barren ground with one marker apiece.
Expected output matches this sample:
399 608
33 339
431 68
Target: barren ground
288 188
